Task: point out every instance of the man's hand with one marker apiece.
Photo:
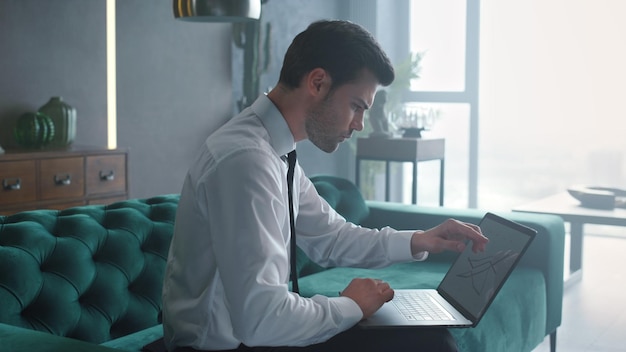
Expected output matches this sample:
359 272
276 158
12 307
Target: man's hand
451 235
369 294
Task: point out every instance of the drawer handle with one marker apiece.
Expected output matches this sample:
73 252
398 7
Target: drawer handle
66 181
107 177
15 186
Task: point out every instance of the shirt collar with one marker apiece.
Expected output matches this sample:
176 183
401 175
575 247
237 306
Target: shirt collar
281 138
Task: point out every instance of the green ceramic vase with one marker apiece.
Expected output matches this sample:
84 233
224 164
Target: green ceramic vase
63 116
34 130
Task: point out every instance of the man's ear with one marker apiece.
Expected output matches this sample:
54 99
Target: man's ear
318 82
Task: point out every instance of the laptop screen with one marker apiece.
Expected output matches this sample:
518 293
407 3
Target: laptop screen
474 279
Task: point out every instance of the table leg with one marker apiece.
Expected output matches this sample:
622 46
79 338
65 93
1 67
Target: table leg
414 185
387 183
357 173
441 184
576 252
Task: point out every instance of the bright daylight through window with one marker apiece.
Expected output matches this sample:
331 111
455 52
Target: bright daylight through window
551 82
438 35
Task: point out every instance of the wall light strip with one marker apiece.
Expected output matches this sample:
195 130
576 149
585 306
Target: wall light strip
111 76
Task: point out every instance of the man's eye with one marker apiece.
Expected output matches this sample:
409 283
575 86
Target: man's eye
355 107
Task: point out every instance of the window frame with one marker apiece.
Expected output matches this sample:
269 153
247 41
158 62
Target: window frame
469 96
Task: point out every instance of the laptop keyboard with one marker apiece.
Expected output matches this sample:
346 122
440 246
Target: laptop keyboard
419 306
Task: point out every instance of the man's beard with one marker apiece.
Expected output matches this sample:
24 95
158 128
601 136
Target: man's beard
319 126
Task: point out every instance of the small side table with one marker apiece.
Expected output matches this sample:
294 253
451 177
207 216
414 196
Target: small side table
413 150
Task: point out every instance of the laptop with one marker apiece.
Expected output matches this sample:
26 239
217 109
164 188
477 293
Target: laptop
467 289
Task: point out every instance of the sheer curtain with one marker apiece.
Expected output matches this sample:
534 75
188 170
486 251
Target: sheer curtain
552 88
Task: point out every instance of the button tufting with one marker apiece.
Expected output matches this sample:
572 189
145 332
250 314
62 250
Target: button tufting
98 265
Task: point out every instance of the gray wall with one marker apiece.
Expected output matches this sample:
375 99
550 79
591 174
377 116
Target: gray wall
53 48
173 88
172 77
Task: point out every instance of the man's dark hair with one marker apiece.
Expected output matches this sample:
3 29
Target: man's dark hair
342 48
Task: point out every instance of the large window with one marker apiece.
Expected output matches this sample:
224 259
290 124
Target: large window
552 85
445 33
551 82
438 30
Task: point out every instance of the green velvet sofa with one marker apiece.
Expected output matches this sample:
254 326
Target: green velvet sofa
90 273
89 278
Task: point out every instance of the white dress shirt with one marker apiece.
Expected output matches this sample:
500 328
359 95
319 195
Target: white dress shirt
227 274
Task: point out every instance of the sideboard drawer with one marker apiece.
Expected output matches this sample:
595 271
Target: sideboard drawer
18 182
106 174
62 178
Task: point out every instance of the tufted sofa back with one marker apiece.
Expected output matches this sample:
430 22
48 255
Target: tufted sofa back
92 273
343 196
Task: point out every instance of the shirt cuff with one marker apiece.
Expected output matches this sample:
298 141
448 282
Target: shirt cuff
350 312
400 248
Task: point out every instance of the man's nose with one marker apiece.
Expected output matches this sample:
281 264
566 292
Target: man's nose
357 122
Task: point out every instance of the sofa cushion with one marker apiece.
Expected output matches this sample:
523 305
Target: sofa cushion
92 273
137 341
16 339
402 275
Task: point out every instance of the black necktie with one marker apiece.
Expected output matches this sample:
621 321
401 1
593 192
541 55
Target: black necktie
291 161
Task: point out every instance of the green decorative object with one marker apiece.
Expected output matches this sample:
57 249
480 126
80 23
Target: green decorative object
34 130
64 117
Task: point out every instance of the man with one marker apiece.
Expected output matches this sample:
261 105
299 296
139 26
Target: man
226 282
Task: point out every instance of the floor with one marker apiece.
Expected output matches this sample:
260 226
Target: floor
594 309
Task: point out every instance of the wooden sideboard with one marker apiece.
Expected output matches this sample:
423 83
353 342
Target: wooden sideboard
59 179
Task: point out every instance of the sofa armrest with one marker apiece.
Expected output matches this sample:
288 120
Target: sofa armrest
135 341
546 253
17 339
